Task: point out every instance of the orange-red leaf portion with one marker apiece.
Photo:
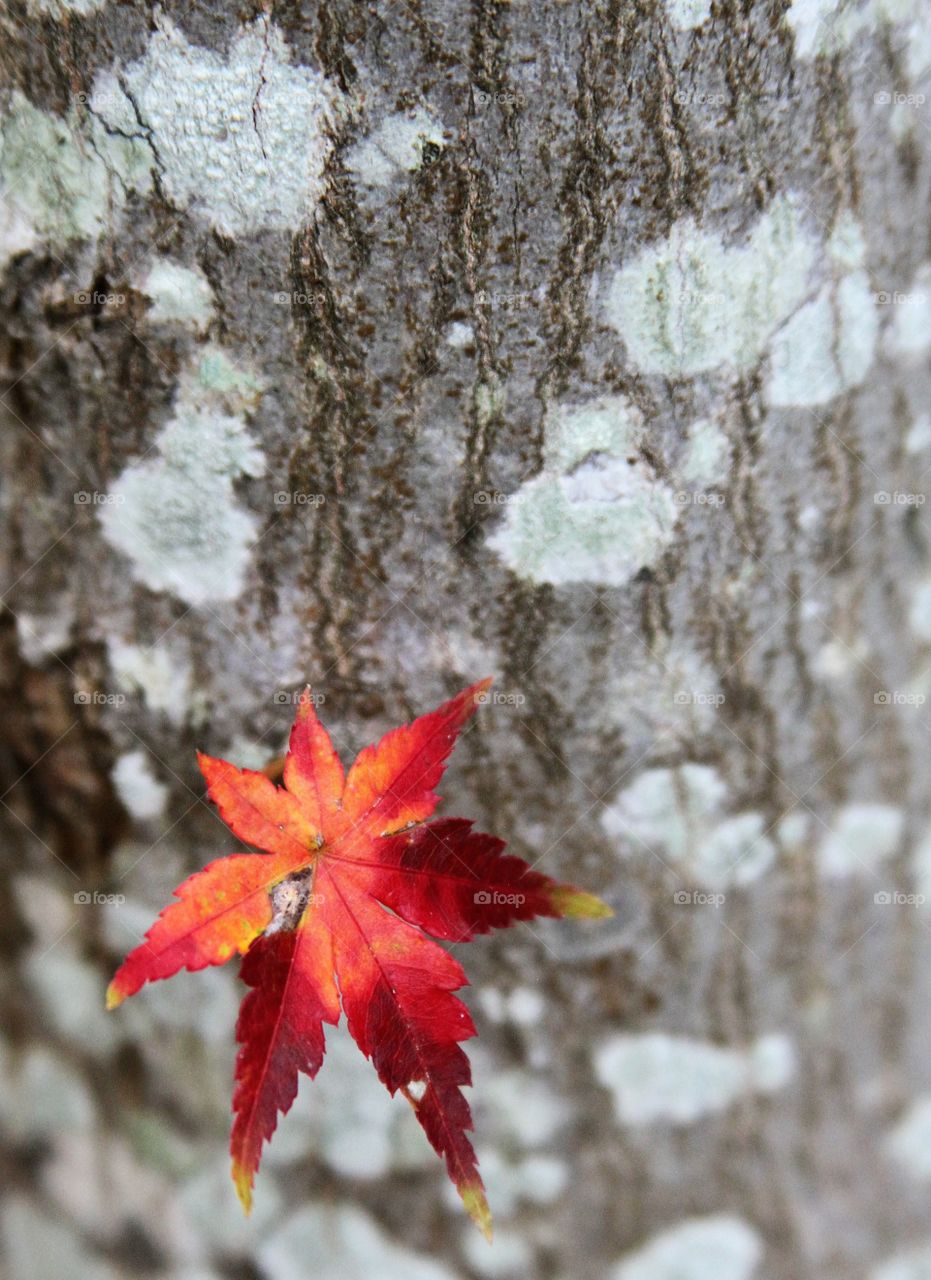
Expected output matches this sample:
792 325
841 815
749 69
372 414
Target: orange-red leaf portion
391 783
220 912
313 772
335 916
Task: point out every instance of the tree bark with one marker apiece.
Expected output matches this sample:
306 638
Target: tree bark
385 347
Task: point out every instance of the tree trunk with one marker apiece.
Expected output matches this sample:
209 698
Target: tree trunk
388 346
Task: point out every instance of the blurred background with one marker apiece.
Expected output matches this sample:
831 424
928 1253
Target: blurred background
385 347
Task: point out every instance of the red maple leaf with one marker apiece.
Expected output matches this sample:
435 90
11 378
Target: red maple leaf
335 915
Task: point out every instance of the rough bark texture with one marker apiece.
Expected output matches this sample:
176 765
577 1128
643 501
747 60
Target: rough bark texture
387 346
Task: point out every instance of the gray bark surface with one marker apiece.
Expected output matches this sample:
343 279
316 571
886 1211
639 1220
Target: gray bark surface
451 304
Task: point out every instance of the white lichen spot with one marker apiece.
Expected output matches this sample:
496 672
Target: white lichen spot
241 139
347 1117
595 514
175 515
824 26
828 27
42 634
686 15
137 786
909 332
512 1180
460 335
509 1254
520 1107
919 610
827 347
692 304
793 829
180 295
707 453
910 1141
915 1264
213 381
339 1242
847 245
609 425
62 178
60 8
919 434
719 1247
395 147
679 816
159 674
659 1078
861 837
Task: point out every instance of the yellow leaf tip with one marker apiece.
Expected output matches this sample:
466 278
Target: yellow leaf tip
476 1206
578 905
243 1187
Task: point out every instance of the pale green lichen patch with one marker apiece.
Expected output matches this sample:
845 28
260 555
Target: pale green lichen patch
659 1078
214 381
338 1241
60 8
909 1142
719 1247
159 674
913 1264
175 515
828 345
596 513
62 178
396 147
828 27
860 838
692 304
707 454
686 15
909 333
680 815
241 139
179 295
608 425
